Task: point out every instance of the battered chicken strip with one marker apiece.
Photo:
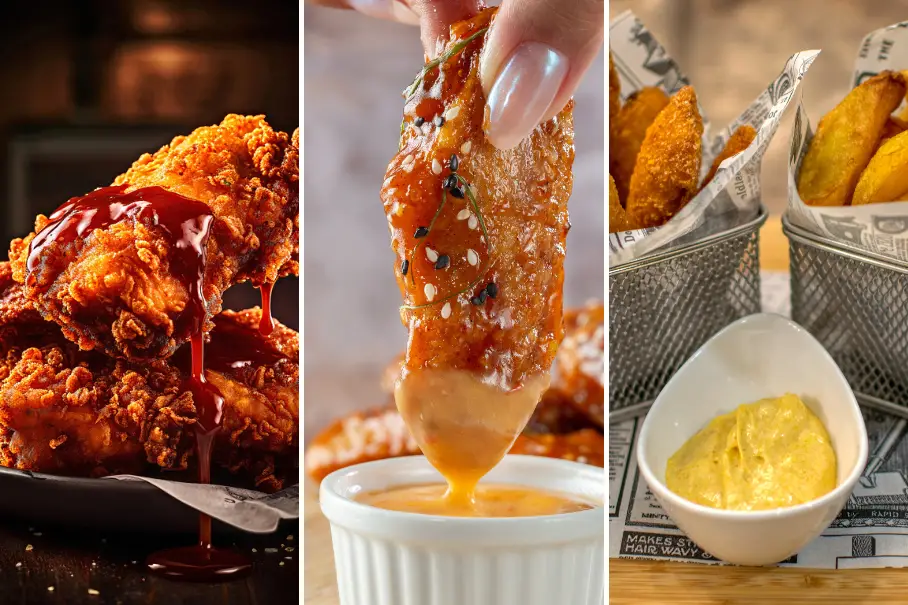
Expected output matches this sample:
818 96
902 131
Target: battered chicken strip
125 288
739 140
72 412
479 235
628 132
667 172
617 215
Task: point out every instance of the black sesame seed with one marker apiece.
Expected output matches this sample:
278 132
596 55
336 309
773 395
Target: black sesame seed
443 262
492 289
419 121
454 163
457 192
404 266
450 182
438 121
421 232
476 301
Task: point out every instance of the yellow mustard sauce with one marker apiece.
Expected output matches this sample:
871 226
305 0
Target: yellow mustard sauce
489 500
769 454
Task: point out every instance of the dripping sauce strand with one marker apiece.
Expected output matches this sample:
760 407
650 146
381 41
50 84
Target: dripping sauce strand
186 223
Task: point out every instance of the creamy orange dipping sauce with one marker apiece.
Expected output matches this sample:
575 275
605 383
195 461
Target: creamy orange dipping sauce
463 425
489 501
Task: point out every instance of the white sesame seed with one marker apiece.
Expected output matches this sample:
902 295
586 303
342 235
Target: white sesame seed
28 547
431 254
472 257
19 564
446 311
463 214
473 222
408 167
452 113
429 290
281 563
50 589
465 148
407 159
436 166
391 190
93 592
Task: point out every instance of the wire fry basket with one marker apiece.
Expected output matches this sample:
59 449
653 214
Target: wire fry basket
856 304
664 306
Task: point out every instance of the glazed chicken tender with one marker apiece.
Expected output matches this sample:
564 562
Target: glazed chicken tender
479 239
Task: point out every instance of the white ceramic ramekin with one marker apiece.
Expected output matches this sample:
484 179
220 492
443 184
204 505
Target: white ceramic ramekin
754 358
391 558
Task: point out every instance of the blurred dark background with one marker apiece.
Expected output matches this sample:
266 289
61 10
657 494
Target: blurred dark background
89 86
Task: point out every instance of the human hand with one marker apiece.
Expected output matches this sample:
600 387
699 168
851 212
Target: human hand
536 55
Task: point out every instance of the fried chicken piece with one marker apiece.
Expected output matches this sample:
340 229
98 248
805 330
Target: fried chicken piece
739 140
123 288
556 414
365 436
586 446
479 237
580 362
667 172
73 412
629 131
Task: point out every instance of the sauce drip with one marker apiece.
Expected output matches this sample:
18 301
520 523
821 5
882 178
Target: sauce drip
187 223
232 345
266 324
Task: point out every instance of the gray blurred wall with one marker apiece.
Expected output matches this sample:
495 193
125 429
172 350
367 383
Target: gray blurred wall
355 69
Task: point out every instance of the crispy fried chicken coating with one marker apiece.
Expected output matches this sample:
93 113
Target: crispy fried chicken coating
117 288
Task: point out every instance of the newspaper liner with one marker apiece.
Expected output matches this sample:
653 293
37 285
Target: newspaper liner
880 228
733 196
871 532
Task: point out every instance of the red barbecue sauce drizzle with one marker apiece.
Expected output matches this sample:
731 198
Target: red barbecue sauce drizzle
187 223
266 323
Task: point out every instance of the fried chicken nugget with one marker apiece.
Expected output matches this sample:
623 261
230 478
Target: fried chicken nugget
739 140
668 166
886 177
846 139
629 131
617 216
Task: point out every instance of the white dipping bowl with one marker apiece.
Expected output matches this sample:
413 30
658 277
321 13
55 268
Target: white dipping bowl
387 557
754 358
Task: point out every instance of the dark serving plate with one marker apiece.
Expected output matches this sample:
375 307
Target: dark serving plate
77 502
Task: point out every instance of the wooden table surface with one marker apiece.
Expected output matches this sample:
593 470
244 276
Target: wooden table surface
652 583
41 565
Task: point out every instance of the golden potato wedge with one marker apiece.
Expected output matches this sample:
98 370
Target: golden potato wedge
886 176
628 132
893 127
846 138
617 216
667 171
739 140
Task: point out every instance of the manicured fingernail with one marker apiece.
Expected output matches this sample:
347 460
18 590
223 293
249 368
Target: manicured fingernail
522 92
385 9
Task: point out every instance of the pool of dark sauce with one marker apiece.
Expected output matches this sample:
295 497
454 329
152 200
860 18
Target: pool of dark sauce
187 222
